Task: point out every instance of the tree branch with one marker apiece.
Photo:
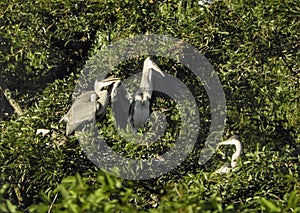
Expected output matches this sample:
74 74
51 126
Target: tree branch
9 98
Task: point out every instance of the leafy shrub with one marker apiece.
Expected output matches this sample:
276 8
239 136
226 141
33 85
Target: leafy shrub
252 46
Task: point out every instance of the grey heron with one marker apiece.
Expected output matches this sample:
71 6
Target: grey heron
139 109
88 105
135 109
234 140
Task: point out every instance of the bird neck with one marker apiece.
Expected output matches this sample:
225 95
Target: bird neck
236 155
233 163
146 82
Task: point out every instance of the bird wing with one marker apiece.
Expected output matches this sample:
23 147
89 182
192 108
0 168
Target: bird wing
168 85
131 110
82 110
160 81
81 115
121 100
120 105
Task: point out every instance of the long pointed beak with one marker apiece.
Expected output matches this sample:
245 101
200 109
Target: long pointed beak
233 140
110 80
230 141
104 83
149 64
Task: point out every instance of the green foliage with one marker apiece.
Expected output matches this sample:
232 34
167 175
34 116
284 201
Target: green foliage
253 46
32 162
77 194
5 205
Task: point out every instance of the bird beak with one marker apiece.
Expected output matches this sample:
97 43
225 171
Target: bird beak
99 85
110 80
105 82
149 64
228 142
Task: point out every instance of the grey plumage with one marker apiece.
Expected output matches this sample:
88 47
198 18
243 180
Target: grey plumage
135 109
139 109
87 106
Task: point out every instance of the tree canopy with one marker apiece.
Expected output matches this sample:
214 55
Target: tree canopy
252 45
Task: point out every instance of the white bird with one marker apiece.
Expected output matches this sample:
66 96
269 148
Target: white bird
234 140
88 105
205 2
42 131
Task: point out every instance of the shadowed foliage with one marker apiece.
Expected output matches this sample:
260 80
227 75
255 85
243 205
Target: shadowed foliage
254 48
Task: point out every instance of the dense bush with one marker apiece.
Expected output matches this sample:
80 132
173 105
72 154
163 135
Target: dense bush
254 48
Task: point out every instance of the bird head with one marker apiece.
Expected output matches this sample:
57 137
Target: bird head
100 84
149 64
234 140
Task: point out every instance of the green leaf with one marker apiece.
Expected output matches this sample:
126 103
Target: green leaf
270 205
10 207
294 199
